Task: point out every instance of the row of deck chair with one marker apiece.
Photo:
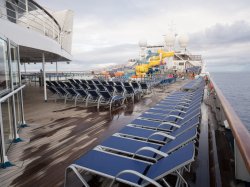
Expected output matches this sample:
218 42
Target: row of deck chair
92 91
125 89
145 153
100 98
98 84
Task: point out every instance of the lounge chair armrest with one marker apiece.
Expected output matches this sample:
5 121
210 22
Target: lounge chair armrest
161 134
151 149
169 123
137 174
182 106
175 116
177 110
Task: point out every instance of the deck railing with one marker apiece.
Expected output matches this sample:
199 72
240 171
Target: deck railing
225 114
30 14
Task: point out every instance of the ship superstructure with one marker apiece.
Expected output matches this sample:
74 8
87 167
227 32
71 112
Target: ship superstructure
29 33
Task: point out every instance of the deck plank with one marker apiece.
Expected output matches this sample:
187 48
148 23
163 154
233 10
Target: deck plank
58 134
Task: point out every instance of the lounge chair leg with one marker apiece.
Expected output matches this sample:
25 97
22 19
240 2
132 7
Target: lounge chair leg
110 106
98 103
166 183
85 184
123 100
75 102
181 177
87 100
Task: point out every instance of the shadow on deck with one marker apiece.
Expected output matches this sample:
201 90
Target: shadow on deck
58 134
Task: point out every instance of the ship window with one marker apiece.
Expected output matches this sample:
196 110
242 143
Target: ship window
11 13
4 68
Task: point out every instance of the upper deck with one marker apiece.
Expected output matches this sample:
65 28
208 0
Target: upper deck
36 30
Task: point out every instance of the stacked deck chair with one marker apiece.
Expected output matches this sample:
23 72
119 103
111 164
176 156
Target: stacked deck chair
98 93
146 151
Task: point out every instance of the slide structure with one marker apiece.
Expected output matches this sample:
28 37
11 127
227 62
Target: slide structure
153 60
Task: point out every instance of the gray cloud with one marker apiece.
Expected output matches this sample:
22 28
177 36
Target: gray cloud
222 35
224 47
108 31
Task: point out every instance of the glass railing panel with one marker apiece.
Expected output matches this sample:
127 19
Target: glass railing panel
7 116
4 68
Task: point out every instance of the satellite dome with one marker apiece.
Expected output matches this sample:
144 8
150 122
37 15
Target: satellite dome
183 40
142 43
170 39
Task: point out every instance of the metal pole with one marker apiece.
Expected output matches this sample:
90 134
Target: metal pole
44 79
4 156
20 95
56 71
16 136
25 68
26 6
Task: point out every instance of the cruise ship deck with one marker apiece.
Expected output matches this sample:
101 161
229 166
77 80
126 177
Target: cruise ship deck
57 134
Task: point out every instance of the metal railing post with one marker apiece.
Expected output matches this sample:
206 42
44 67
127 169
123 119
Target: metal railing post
27 6
44 79
5 161
23 123
16 136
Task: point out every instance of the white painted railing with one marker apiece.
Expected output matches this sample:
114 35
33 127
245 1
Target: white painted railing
30 14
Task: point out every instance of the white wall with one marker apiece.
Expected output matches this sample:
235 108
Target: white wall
65 20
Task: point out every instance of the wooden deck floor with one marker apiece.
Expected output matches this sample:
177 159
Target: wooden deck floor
58 134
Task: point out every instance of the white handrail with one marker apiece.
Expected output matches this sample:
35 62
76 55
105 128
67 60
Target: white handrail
2 99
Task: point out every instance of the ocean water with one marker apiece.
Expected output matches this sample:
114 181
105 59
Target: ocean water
236 88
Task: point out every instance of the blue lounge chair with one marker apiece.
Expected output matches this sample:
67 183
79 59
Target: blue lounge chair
93 97
55 83
77 81
61 93
107 99
76 85
82 95
110 89
111 83
171 117
165 126
100 87
71 81
84 81
166 111
92 87
84 86
69 85
152 134
126 84
52 90
96 82
90 82
131 171
104 83
118 83
176 105
132 147
145 87
49 83
119 90
72 94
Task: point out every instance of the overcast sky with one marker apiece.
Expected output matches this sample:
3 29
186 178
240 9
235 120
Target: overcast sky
107 31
